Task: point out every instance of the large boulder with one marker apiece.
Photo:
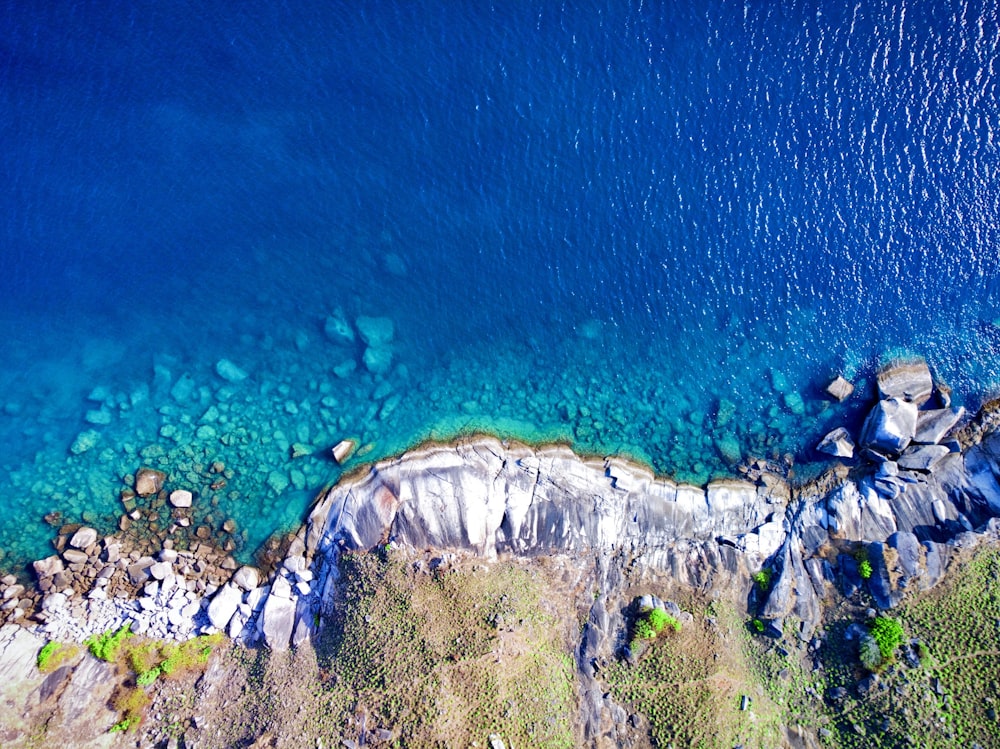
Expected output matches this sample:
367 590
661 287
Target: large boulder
224 605
934 425
83 538
890 426
910 382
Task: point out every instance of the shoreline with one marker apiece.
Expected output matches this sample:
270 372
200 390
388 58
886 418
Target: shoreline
606 521
95 572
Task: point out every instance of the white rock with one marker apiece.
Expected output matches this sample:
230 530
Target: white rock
83 538
181 498
160 570
247 578
224 605
281 588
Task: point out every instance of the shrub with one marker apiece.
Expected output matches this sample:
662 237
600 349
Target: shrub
106 645
888 633
869 653
757 624
644 630
763 579
865 569
659 619
147 677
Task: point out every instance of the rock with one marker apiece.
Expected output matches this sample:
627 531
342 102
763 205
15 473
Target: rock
149 481
74 556
277 481
729 448
922 457
890 426
837 443
376 332
909 382
281 588
83 538
248 578
299 450
343 450
48 567
378 360
496 742
181 498
224 605
277 621
840 389
934 425
85 441
160 570
229 371
138 572
337 329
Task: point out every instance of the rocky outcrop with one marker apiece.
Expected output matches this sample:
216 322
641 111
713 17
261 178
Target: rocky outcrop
492 497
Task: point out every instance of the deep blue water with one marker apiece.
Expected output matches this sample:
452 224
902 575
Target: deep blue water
643 227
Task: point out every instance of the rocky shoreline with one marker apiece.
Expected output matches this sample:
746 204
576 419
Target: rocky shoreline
919 481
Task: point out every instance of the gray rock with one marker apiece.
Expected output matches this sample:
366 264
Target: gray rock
934 425
277 621
83 538
160 570
910 382
922 457
149 481
138 572
343 450
908 550
840 389
837 443
890 426
75 556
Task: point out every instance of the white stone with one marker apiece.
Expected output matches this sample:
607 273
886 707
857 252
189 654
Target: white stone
181 498
224 605
247 578
160 570
281 588
83 538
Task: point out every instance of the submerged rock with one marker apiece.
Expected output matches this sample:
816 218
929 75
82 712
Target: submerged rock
229 371
376 332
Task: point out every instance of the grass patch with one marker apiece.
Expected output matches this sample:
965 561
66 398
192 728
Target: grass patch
446 659
690 686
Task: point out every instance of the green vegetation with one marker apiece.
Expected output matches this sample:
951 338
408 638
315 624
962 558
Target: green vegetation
660 619
758 625
107 644
143 662
763 579
865 569
888 633
54 655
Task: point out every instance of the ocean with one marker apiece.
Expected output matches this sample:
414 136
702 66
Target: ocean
234 233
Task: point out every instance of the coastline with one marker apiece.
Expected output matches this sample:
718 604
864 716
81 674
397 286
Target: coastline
497 499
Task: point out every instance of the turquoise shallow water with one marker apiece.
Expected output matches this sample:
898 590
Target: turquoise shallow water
656 231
